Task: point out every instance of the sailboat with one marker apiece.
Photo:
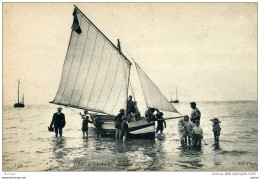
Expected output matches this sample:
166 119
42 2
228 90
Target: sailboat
19 104
96 76
176 100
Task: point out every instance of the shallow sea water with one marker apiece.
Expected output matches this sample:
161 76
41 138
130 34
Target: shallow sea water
28 146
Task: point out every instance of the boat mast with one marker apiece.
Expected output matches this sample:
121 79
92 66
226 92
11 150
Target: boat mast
120 52
176 93
18 89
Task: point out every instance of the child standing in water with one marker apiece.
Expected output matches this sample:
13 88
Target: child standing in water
85 123
216 130
188 128
197 133
181 127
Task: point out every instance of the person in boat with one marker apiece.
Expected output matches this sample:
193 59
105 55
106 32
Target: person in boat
149 113
98 129
216 130
160 122
118 121
188 128
137 112
124 127
130 106
181 129
195 113
85 122
197 134
59 122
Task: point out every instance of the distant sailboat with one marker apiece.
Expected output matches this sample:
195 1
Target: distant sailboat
96 76
176 100
19 104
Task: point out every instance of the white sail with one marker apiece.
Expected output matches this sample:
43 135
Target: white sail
153 96
95 74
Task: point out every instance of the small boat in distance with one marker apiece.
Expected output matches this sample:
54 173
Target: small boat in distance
19 104
176 100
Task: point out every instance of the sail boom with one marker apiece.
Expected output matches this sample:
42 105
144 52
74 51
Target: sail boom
105 37
78 107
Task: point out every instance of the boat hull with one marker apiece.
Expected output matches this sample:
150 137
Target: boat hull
19 105
137 129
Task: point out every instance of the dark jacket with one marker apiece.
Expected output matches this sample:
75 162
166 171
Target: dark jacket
58 120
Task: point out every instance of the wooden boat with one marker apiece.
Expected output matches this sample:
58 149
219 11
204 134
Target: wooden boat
96 76
19 104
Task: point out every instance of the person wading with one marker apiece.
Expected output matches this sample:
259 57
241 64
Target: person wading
160 122
58 120
216 130
85 122
197 134
125 128
195 113
118 121
188 128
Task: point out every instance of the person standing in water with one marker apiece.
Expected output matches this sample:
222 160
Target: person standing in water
125 128
181 129
197 133
85 122
216 130
195 113
58 120
188 128
118 121
160 122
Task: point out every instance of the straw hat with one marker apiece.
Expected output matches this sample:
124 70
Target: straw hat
215 120
59 107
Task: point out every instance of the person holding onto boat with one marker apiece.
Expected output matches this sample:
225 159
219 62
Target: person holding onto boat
197 134
98 129
149 113
216 130
124 127
160 122
58 120
195 113
118 121
188 128
85 122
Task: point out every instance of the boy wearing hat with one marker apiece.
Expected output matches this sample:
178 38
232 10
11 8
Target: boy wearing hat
216 130
160 122
197 133
58 120
118 121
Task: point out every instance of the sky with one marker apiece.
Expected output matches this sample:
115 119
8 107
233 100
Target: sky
207 50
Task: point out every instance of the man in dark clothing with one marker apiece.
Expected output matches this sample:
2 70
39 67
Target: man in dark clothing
130 106
160 122
118 121
58 120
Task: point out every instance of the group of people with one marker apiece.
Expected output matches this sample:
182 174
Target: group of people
190 131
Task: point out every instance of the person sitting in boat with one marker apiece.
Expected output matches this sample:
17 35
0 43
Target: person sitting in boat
85 122
181 129
130 106
160 122
137 112
59 122
118 121
188 128
98 130
195 113
149 113
216 130
124 127
197 134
